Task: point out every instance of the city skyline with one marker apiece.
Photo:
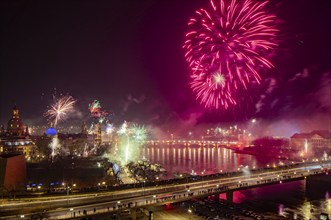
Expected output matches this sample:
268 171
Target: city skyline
129 56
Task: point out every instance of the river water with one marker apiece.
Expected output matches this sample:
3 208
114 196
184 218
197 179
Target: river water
294 200
202 160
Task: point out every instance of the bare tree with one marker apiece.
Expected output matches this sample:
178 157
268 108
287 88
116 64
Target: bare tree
143 170
40 216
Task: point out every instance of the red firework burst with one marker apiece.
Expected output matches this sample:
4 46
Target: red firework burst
227 47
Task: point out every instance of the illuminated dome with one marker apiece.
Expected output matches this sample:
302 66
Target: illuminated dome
15 126
51 131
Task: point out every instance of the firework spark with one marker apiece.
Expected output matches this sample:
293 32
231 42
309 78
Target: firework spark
95 108
123 129
138 132
109 128
131 136
60 109
97 112
227 47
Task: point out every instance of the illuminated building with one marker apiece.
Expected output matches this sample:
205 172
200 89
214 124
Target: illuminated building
16 138
315 139
84 128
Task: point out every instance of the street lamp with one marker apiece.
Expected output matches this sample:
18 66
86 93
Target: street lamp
143 186
68 189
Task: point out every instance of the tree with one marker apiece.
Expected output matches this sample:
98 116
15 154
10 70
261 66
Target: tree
143 170
268 142
40 216
113 171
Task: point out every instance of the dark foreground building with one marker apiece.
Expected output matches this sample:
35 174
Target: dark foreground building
12 172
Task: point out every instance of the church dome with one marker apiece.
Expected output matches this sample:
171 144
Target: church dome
50 131
15 126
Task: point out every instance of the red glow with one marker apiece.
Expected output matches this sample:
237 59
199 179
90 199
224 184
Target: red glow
231 41
168 206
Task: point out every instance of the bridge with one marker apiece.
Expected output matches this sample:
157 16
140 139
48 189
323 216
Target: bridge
130 200
185 142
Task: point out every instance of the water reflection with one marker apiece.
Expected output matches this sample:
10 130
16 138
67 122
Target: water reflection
202 159
287 200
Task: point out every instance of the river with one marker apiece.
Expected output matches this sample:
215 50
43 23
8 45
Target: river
294 200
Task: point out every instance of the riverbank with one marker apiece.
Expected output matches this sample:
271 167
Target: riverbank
276 153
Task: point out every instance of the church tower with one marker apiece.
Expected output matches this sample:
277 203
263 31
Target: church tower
15 126
98 134
84 128
16 139
2 130
27 133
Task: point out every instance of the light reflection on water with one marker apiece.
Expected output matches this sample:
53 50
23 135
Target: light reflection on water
288 200
201 159
292 200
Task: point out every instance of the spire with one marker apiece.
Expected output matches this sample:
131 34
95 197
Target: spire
84 128
16 112
2 130
98 134
27 130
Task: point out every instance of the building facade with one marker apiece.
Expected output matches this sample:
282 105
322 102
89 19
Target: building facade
314 139
16 138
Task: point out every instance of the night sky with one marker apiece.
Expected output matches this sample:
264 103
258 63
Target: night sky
128 55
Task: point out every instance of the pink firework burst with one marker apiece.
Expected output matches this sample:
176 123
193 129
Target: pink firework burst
60 109
227 47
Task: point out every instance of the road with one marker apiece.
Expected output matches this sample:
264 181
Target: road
64 207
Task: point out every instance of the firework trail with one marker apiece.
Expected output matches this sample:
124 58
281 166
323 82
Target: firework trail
131 137
60 110
227 47
55 146
125 140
